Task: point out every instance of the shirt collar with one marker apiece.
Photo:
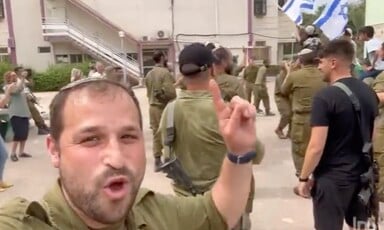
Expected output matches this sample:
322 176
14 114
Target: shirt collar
61 214
193 94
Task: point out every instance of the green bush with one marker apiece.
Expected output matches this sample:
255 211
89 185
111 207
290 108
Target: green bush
56 76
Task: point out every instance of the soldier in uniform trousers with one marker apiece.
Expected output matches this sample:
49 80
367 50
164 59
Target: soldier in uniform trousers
301 85
160 91
283 105
378 137
198 144
250 74
261 90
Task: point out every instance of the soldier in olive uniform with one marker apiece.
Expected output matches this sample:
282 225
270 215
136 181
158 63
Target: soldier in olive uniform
230 86
378 138
261 90
301 85
97 144
160 90
198 144
283 104
250 74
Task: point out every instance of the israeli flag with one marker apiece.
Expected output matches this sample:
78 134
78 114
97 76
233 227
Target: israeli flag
308 7
295 8
333 19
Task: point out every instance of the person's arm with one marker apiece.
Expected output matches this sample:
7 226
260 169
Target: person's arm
261 74
237 126
5 100
314 152
381 97
17 86
286 86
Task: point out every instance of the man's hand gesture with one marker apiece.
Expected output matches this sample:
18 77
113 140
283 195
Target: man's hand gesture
236 121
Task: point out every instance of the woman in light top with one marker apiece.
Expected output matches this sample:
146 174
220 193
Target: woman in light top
76 74
18 112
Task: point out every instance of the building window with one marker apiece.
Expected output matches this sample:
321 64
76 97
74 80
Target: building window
260 7
44 49
2 15
3 50
62 58
260 43
133 56
76 58
5 58
290 48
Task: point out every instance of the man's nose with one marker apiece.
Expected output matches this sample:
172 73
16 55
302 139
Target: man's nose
113 154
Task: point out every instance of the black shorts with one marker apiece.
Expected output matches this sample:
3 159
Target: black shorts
332 204
20 127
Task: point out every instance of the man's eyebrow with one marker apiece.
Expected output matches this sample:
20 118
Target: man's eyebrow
91 129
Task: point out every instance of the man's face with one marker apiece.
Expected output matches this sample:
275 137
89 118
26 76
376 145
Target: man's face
326 66
363 37
100 154
100 68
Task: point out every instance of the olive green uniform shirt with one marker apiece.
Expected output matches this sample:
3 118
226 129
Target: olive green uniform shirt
279 82
151 211
160 79
302 85
230 86
198 143
378 143
261 78
250 73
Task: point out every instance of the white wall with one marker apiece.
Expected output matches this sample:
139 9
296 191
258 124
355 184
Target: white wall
4 35
28 34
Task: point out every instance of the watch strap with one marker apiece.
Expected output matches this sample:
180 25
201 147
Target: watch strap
241 159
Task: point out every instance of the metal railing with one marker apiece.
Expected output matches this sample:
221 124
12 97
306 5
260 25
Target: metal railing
59 27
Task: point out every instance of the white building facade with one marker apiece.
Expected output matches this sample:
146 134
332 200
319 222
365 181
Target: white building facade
38 33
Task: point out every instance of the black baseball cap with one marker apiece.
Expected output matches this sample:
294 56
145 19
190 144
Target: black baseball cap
195 58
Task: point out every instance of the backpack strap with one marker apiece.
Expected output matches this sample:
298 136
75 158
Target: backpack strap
357 107
170 129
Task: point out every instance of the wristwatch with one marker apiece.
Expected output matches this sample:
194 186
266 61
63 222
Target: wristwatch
241 159
303 179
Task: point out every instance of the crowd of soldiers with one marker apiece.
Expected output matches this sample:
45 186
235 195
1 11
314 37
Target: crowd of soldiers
295 86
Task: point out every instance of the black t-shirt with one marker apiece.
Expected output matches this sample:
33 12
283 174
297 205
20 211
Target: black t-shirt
342 156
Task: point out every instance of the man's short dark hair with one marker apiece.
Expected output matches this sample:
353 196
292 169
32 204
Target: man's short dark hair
221 54
309 59
157 56
210 46
367 30
339 48
96 85
18 68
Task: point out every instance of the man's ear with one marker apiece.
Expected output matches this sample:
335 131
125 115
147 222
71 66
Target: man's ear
53 150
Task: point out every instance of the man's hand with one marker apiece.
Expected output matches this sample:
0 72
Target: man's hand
304 189
236 121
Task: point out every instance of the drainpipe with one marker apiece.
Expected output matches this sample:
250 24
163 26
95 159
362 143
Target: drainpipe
217 16
172 49
42 10
140 59
250 22
11 33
